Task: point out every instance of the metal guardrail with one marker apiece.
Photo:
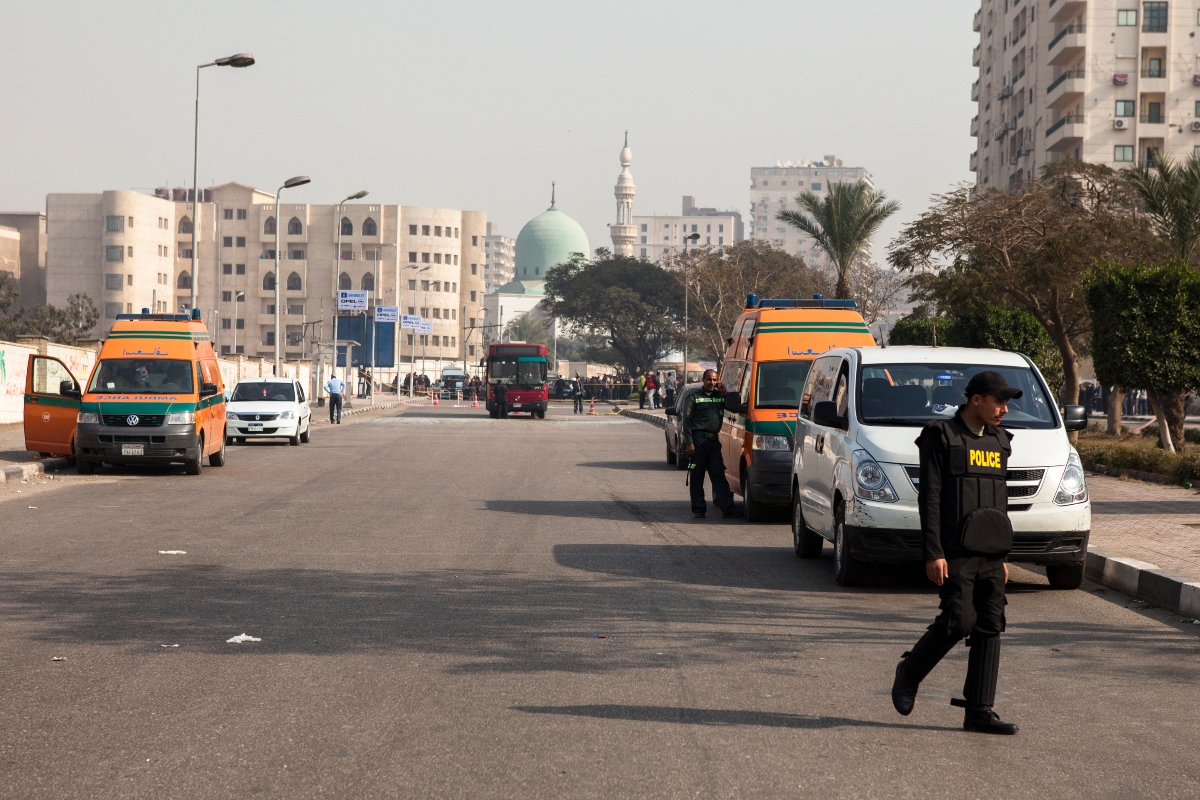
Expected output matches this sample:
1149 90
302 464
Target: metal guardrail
1081 28
1066 76
1070 119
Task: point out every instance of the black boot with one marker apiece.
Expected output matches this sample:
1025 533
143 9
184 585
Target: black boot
983 669
918 663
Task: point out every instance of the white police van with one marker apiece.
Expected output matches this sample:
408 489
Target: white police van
854 466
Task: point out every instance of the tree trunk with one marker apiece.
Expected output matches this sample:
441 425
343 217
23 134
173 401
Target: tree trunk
1173 407
843 286
1164 429
1070 388
1116 397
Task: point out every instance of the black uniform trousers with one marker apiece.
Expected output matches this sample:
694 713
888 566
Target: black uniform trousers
578 404
707 459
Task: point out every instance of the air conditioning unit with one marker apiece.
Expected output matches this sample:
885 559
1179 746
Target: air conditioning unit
1120 124
1196 124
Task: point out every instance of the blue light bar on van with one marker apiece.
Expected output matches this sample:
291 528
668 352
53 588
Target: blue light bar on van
157 317
815 303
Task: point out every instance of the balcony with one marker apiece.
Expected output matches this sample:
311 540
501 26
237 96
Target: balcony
1005 91
1068 44
1066 89
974 161
1066 9
1067 132
975 24
1153 119
975 92
975 125
975 56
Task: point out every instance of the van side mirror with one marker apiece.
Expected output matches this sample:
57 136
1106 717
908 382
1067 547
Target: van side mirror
208 389
67 389
1075 418
671 412
825 414
734 404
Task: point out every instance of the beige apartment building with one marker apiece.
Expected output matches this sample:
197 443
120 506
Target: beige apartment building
130 250
500 259
774 189
31 227
660 235
1112 82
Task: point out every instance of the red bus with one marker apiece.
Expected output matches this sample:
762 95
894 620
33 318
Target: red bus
521 368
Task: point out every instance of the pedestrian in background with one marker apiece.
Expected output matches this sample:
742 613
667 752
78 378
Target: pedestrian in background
962 497
577 394
336 387
501 398
669 388
702 415
652 389
641 388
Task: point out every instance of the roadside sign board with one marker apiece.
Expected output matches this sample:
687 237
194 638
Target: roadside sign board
410 320
352 301
424 327
386 313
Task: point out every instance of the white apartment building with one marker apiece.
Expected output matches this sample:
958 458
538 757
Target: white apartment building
499 259
130 250
774 189
660 235
1112 82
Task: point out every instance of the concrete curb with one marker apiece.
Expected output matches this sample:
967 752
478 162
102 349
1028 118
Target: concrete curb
20 472
1136 474
1145 581
653 419
349 412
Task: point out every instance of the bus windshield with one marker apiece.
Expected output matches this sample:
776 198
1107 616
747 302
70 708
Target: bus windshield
142 376
524 371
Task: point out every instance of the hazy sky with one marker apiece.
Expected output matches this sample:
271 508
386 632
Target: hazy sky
480 105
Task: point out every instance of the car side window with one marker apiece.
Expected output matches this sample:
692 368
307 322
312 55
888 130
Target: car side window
299 393
841 394
820 383
731 375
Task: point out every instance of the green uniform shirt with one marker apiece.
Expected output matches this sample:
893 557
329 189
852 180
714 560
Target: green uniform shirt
702 414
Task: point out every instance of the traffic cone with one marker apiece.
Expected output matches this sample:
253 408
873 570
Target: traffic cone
592 407
435 398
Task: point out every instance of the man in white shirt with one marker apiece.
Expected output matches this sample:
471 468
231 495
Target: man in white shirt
336 387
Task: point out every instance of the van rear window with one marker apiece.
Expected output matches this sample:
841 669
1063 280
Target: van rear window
142 376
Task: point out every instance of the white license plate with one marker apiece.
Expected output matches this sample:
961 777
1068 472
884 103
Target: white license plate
255 426
133 449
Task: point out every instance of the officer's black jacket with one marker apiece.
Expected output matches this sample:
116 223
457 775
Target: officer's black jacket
944 497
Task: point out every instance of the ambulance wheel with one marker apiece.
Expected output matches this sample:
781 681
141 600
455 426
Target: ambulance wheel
806 543
1065 576
85 467
847 570
193 466
754 510
217 459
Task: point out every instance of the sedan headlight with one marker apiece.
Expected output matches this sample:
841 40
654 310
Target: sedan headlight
88 418
870 482
1072 488
766 442
285 415
181 418
230 415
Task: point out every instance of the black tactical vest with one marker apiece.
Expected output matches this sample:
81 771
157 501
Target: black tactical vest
978 469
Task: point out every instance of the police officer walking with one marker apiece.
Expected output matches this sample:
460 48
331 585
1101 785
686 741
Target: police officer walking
702 413
963 501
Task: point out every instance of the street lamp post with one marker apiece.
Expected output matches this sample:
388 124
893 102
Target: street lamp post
690 238
291 183
412 363
375 303
337 268
236 297
238 61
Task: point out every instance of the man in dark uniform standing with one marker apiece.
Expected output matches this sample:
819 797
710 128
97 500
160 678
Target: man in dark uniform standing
702 414
963 500
500 397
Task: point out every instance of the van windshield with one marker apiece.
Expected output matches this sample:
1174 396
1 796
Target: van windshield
264 391
142 376
914 394
780 384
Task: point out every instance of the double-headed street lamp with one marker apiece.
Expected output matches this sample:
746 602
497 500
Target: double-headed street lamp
291 183
238 61
337 270
694 237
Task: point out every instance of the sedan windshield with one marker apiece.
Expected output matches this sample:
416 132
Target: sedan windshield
914 394
780 384
261 391
142 376
526 371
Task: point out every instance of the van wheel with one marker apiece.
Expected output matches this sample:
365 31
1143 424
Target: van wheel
806 543
847 570
217 459
193 466
307 431
85 467
1065 576
754 510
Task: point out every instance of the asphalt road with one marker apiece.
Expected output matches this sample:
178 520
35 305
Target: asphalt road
451 606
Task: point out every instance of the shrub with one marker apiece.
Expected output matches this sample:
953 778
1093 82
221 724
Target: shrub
1181 466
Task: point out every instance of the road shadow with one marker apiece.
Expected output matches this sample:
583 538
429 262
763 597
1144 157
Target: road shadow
1147 507
720 717
675 512
636 466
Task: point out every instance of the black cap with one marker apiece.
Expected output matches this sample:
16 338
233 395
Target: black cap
993 383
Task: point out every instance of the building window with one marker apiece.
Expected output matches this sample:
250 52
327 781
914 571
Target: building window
240 269
424 258
241 213
184 281
293 283
226 297
643 227
412 285
114 224
474 269
720 240
347 227
437 258
1154 68
185 225
227 269
369 228
1123 153
241 241
1125 108
720 229
268 282
437 230
412 230
227 213
111 310
424 230
470 349
270 339
224 349
367 284
412 257
344 282
1154 17
456 233
1127 18
296 255
410 339
424 288
474 241
295 228
241 326
226 323
114 252
227 241
269 226
130 249
643 252
113 283
437 341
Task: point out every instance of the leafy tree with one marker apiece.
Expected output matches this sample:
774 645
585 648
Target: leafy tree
842 224
527 328
719 280
1171 194
9 319
64 326
1030 248
633 304
1150 338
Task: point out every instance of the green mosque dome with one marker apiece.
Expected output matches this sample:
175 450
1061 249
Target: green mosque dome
546 241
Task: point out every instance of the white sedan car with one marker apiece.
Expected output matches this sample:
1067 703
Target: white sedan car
267 408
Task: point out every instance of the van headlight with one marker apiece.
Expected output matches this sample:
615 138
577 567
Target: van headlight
767 442
88 418
870 482
1072 488
181 418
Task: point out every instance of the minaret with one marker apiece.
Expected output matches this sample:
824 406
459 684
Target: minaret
624 232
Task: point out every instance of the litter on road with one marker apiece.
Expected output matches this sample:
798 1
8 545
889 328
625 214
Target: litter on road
168 645
241 637
172 552
59 658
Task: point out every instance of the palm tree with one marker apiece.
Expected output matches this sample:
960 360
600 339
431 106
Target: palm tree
1171 193
842 223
